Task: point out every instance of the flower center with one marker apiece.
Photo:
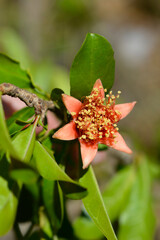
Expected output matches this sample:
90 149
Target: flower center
96 121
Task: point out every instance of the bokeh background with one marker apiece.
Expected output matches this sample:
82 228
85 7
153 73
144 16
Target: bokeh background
45 35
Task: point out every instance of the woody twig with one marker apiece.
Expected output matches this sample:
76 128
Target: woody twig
30 99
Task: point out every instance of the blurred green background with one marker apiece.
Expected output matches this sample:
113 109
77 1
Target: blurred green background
45 36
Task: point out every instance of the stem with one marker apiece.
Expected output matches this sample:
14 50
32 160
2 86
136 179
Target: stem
30 99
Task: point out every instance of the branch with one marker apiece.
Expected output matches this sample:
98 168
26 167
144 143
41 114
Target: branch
30 99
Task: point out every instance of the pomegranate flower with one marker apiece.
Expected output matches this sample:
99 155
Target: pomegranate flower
95 121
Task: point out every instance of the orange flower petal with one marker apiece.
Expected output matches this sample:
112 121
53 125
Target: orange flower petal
88 153
68 132
124 108
120 144
98 84
72 104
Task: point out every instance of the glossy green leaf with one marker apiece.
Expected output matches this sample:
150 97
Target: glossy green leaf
50 170
95 206
24 142
8 207
116 195
11 72
5 141
90 231
23 115
53 201
94 60
138 221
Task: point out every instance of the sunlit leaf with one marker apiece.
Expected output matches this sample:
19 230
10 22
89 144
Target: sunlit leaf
44 223
11 72
27 176
23 115
94 60
50 170
24 142
8 207
115 198
95 206
90 231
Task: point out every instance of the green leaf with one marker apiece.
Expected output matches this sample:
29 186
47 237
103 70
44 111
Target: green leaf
56 96
24 142
5 141
115 198
90 231
4 166
11 72
73 191
138 221
23 115
94 60
23 123
50 170
15 47
48 140
45 224
95 206
8 207
28 205
102 147
116 195
53 201
27 176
